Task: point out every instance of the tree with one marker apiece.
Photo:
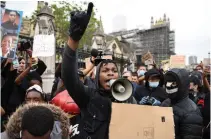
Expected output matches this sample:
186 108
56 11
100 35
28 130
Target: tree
61 11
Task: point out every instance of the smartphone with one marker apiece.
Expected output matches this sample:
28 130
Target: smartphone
15 63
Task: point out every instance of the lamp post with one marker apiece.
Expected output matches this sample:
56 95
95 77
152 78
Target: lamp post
209 57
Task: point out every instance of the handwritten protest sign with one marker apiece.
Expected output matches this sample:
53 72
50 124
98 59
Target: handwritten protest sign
177 61
43 46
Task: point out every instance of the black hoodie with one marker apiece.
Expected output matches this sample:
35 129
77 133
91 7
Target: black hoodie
95 104
187 117
158 92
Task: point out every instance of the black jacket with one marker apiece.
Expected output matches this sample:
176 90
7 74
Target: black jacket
12 94
158 92
10 25
206 117
187 117
95 104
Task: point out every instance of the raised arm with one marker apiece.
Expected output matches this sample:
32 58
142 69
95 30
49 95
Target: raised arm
74 86
20 77
89 67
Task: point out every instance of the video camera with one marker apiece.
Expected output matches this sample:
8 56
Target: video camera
98 54
24 44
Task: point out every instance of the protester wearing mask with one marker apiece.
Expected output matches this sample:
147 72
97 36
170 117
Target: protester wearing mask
95 104
195 91
151 93
141 71
37 121
187 117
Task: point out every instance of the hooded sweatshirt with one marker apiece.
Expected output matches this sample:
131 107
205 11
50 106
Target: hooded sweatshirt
187 117
60 129
95 104
158 92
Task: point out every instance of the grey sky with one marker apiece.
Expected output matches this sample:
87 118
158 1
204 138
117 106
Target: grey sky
191 19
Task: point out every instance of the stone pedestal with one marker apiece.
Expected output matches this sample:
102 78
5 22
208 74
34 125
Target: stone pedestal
45 25
49 74
47 83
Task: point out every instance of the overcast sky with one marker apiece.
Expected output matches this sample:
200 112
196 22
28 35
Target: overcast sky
191 19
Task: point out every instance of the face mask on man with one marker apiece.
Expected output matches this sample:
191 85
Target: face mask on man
141 72
153 84
171 88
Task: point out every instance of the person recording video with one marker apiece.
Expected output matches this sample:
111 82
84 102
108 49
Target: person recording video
95 104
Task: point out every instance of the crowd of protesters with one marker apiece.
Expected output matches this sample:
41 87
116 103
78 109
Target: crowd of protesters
82 98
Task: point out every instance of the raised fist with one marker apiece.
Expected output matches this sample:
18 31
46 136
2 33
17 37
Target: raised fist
79 22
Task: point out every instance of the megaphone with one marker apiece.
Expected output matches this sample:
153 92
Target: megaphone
121 89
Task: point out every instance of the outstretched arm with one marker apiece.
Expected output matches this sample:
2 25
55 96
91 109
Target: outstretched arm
74 86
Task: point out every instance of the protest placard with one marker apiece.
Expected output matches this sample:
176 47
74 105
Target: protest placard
10 28
147 122
44 45
177 61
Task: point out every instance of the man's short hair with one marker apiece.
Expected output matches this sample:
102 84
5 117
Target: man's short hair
7 34
4 36
134 74
38 121
12 11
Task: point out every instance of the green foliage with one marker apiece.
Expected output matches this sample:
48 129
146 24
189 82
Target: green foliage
61 11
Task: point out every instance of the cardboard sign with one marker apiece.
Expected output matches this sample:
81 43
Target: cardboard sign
177 61
130 121
147 58
44 45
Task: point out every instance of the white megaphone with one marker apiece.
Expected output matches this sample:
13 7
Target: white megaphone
121 89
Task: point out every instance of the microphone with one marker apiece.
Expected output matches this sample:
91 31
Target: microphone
94 53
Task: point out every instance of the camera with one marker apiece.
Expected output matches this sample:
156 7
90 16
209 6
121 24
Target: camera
98 54
24 44
99 57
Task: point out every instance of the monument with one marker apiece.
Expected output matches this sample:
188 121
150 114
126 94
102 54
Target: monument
45 25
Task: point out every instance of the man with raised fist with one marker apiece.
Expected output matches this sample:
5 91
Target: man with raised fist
95 104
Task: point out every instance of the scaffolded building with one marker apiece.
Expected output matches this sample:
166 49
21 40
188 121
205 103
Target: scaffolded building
159 40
